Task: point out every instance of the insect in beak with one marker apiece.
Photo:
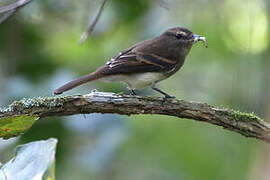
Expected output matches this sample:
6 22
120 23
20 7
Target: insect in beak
197 38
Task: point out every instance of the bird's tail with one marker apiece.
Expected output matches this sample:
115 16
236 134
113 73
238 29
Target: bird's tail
78 82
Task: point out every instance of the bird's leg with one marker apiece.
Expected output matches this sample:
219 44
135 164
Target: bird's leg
161 92
132 92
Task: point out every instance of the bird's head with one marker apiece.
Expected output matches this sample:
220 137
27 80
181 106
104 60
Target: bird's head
181 39
183 35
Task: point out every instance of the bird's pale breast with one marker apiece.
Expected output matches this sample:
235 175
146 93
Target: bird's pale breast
138 80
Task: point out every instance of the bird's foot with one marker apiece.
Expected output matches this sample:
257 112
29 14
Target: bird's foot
94 91
167 96
132 92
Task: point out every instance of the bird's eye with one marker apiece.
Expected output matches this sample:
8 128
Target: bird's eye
180 34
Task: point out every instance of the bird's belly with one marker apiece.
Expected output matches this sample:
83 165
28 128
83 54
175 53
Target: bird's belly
138 80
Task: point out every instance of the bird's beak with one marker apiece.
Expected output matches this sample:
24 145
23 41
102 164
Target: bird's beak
197 38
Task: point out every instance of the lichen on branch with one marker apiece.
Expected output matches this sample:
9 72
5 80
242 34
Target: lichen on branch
246 124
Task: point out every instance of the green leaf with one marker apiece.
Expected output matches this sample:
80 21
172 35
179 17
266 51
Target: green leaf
13 126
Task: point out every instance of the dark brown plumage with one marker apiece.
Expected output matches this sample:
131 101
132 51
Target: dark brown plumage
145 63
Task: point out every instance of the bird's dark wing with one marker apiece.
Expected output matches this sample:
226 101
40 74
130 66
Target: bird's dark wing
136 62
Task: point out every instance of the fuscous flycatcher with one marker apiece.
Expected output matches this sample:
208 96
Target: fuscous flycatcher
145 63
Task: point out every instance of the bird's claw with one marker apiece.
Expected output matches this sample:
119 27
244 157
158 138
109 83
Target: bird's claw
132 92
167 97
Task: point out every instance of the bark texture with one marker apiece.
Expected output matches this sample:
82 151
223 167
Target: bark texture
246 124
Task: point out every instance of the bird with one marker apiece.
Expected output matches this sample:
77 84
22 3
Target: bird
145 63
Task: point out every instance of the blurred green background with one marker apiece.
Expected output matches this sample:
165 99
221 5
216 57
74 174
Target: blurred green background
39 51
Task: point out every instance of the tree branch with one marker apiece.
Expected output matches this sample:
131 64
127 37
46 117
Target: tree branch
9 10
91 27
248 125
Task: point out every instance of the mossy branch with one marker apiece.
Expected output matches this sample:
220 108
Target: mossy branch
248 125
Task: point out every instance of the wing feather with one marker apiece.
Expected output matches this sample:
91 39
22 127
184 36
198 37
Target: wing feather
134 62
